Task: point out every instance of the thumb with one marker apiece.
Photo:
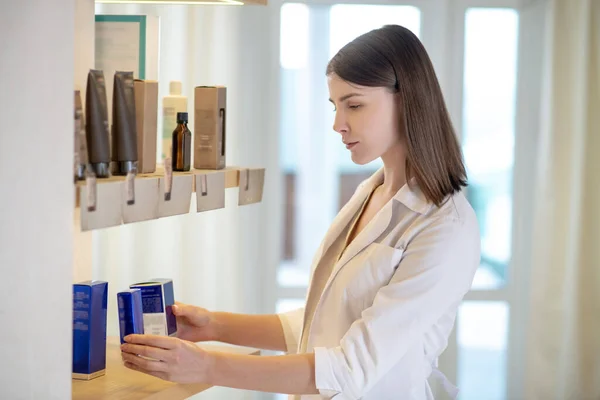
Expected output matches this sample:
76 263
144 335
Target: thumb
179 309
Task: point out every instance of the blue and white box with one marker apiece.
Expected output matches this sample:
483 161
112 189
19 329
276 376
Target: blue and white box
157 303
90 300
131 314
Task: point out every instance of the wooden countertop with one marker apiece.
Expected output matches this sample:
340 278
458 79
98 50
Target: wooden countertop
121 383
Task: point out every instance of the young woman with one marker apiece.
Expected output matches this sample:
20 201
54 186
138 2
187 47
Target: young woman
391 271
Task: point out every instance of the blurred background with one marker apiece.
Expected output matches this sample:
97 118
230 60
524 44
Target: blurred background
521 79
521 82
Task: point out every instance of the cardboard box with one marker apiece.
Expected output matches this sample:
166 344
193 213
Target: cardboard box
146 116
131 314
157 304
210 133
89 329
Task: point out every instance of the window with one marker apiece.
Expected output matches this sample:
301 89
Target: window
488 132
306 129
489 86
482 334
320 176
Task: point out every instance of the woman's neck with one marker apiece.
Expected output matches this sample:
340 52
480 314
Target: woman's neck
394 171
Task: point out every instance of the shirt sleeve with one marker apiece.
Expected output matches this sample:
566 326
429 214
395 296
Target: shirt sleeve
291 322
436 271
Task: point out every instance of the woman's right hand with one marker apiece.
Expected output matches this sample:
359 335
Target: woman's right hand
194 324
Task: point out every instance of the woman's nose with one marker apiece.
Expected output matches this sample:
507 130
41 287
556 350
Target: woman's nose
339 123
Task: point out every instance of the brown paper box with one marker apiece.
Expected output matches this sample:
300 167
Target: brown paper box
210 191
210 133
252 182
146 115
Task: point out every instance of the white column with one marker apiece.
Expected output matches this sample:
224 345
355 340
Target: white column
84 61
36 206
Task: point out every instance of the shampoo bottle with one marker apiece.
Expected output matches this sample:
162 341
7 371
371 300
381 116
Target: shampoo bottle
96 124
124 129
174 103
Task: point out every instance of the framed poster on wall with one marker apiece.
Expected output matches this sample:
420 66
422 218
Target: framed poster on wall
126 43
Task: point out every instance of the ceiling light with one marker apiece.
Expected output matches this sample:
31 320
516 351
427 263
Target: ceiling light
189 2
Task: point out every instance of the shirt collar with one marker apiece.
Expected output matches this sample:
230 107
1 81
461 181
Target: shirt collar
410 194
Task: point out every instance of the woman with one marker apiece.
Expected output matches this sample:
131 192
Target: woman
392 270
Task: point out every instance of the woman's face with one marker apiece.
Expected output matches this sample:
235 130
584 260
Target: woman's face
366 118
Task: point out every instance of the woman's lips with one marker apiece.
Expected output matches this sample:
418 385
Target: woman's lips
350 145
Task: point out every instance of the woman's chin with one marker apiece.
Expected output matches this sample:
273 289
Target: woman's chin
358 160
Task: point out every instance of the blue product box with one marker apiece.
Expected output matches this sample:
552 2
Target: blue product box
131 316
157 303
89 329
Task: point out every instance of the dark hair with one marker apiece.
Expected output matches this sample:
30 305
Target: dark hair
393 57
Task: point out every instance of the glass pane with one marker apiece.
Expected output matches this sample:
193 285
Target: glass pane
289 275
293 49
488 132
347 22
284 305
482 334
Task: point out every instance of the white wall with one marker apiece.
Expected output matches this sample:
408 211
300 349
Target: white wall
83 61
36 202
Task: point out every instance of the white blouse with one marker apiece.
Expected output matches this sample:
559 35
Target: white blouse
379 323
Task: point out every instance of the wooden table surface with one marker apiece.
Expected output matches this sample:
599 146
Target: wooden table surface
121 383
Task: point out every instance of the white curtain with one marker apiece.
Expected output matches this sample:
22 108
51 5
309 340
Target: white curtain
562 352
226 259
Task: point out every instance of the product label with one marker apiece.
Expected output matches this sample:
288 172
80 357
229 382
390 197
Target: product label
169 124
122 315
204 185
168 178
151 299
206 124
90 188
130 188
81 328
155 324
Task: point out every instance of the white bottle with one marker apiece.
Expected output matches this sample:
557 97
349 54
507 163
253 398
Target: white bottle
172 104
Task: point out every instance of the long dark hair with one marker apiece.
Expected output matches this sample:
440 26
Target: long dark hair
393 57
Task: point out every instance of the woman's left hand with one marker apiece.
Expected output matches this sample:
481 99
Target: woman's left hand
173 359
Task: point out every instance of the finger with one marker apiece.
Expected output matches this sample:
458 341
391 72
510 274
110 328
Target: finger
146 365
177 309
181 309
162 342
134 367
146 351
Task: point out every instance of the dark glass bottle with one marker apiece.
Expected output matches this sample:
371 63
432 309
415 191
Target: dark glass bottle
182 144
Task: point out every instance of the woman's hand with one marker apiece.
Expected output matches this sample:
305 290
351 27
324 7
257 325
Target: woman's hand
172 359
195 324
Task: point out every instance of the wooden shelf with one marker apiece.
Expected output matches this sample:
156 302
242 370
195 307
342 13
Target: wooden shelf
232 177
121 383
112 208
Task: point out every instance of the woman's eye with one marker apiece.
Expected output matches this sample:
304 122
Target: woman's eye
354 106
